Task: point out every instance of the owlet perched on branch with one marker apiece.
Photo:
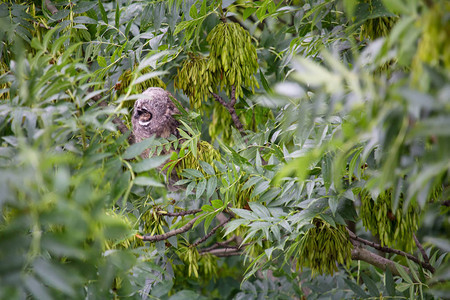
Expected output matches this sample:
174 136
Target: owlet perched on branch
154 116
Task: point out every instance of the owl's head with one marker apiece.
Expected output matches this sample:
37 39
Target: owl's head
153 115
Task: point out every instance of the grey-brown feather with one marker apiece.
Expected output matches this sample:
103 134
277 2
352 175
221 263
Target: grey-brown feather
154 116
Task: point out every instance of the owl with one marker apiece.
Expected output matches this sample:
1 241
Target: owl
154 116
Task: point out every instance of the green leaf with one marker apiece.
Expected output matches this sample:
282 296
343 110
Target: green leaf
117 15
211 187
201 186
251 182
54 275
60 15
149 163
260 210
149 75
84 20
147 181
158 15
101 61
151 60
248 12
232 225
161 288
184 295
36 288
207 167
370 285
217 204
103 12
389 281
396 6
208 221
264 82
403 273
333 202
137 148
245 214
192 172
441 243
207 208
193 12
260 188
355 288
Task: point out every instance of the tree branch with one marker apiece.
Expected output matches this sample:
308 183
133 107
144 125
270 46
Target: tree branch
178 214
360 253
116 120
419 245
223 244
210 233
390 250
230 107
51 7
165 236
222 252
233 96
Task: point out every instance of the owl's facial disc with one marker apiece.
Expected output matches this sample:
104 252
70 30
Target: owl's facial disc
144 117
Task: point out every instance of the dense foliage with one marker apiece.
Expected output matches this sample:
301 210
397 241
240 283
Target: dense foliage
313 161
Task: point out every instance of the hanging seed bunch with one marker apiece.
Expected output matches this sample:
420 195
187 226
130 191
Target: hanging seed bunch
232 59
128 241
208 266
323 247
243 196
394 228
195 80
153 222
125 80
205 152
256 247
434 45
376 27
221 124
190 257
4 85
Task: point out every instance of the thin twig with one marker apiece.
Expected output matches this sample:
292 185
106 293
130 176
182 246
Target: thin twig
116 120
230 107
223 244
165 236
210 233
360 253
233 96
390 250
419 245
178 214
51 7
221 252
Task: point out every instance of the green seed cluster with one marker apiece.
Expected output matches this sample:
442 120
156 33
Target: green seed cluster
205 152
195 80
232 59
124 84
190 257
394 228
434 44
220 124
153 222
3 70
323 247
208 265
125 242
243 196
377 27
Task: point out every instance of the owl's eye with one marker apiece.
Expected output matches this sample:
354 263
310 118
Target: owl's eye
144 116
